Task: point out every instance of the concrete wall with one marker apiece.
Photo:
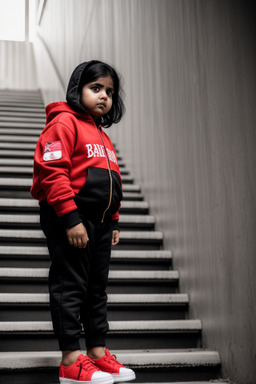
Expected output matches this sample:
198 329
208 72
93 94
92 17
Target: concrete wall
188 137
17 67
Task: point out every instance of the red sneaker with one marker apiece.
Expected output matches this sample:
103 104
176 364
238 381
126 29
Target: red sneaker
83 371
109 363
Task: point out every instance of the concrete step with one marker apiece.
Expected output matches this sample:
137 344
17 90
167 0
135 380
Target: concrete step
12 256
37 236
38 335
21 109
12 157
19 127
149 364
19 118
15 153
25 194
13 204
22 151
114 286
187 382
10 93
22 92
13 146
17 162
28 171
14 99
143 222
30 274
25 184
120 312
22 104
31 128
114 299
36 251
29 163
27 280
23 98
5 114
18 97
116 326
132 306
20 139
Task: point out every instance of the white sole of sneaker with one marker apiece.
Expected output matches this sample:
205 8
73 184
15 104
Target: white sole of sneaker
124 377
103 380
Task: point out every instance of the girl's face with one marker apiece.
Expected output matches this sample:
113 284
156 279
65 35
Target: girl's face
96 96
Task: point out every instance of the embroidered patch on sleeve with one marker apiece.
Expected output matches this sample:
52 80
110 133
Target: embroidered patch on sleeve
52 151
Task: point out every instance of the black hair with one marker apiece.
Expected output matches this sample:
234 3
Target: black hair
92 71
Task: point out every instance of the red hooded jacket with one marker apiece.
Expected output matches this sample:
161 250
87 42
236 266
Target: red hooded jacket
75 167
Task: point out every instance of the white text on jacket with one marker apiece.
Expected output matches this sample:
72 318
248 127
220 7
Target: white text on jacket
96 150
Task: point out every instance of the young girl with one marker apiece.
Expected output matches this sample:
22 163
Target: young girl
78 184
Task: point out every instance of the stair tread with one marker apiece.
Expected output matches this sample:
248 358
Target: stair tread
11 127
17 153
38 234
10 114
19 138
23 193
139 358
20 92
34 203
26 109
35 219
30 250
10 118
137 325
23 169
22 103
133 298
18 146
19 162
29 162
117 274
27 182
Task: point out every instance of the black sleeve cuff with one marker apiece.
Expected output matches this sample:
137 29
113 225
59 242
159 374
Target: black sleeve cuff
115 225
71 219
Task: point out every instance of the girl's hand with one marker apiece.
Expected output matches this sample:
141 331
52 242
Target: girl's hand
115 237
77 236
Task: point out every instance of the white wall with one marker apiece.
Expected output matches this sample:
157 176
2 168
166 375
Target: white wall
188 137
17 67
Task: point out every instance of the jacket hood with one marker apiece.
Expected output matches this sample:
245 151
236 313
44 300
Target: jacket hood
55 109
75 85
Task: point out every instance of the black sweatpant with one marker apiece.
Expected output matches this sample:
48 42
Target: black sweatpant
77 281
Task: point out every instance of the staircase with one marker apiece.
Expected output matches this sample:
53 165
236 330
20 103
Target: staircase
149 326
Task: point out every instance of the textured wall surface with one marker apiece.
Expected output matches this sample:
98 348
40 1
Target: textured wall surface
17 67
188 136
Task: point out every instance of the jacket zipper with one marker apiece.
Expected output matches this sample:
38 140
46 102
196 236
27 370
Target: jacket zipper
110 177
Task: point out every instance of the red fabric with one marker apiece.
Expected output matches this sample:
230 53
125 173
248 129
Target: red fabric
68 145
81 370
108 363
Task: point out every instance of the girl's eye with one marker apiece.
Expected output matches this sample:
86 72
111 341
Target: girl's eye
95 89
109 93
